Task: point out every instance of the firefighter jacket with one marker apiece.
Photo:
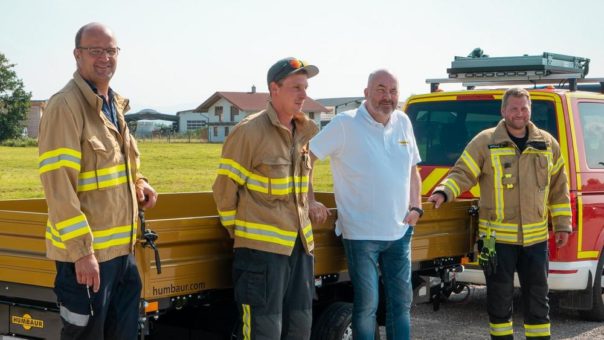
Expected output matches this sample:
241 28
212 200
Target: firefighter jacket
88 169
261 190
516 189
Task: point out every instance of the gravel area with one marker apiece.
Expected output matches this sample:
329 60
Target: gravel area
463 317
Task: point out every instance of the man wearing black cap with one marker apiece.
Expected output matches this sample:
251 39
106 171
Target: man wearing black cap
261 193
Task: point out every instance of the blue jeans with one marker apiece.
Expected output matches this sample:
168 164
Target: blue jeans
366 259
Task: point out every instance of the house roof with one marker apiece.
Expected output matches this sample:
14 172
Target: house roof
253 102
340 101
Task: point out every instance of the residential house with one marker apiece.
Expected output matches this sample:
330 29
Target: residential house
189 120
36 109
338 105
226 109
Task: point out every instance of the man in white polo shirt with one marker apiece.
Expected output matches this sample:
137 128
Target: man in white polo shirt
377 188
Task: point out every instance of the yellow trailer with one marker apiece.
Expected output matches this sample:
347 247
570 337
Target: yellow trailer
194 256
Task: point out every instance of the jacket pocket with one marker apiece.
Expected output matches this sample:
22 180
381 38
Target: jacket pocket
108 171
541 172
280 182
96 144
249 280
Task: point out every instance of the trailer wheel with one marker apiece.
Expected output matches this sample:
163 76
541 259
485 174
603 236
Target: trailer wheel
596 313
335 323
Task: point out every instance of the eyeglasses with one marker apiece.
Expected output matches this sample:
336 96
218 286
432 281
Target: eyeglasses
295 63
98 51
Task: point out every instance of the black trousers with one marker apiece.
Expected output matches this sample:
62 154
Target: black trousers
111 313
531 263
274 293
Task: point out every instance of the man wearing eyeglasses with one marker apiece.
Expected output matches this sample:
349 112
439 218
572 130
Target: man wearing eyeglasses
88 166
261 193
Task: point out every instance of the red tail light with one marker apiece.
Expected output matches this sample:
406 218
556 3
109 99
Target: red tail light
475 97
574 209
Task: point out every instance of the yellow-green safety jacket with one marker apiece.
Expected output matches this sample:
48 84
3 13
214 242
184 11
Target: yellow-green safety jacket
516 189
261 190
88 170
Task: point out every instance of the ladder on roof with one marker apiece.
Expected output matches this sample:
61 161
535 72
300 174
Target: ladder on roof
546 69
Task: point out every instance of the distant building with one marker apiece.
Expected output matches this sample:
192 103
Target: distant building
148 120
189 120
338 105
34 115
226 109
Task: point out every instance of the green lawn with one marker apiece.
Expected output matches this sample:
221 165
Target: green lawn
169 167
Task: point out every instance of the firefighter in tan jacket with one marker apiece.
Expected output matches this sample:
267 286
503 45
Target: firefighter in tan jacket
522 177
261 193
88 166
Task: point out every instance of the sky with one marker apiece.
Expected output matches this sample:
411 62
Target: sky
177 53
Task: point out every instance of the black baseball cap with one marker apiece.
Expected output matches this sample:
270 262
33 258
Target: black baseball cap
287 66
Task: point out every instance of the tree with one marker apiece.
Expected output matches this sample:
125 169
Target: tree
14 101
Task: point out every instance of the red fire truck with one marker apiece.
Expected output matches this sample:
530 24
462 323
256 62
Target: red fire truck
566 104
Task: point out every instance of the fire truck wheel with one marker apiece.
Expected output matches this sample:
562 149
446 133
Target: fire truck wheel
597 310
335 323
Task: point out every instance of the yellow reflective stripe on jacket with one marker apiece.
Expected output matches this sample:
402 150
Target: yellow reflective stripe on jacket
113 236
308 235
227 217
278 185
560 209
559 164
102 178
57 158
505 232
282 186
241 175
73 227
501 329
102 239
265 233
452 185
302 182
497 176
470 163
53 235
233 170
537 330
535 232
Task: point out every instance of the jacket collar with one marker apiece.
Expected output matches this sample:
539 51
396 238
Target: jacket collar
501 134
122 104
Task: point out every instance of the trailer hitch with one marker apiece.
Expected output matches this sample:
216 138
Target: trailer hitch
150 237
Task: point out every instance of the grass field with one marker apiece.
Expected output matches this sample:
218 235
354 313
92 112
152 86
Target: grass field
169 168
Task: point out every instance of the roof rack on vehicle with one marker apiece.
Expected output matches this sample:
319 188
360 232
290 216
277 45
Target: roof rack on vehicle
548 69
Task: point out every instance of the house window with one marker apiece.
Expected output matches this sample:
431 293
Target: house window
218 112
215 131
195 124
234 112
311 115
226 131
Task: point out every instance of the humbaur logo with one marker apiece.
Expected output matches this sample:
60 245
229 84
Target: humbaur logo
27 322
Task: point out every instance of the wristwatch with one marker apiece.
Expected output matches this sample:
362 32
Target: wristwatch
420 211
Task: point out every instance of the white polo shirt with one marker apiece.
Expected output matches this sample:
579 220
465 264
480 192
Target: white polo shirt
371 166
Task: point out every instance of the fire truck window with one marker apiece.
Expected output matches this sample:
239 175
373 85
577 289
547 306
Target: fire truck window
444 128
592 122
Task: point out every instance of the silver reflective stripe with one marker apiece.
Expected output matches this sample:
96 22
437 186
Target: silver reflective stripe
102 178
75 319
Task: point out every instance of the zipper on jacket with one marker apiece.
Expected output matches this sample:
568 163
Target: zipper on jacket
126 164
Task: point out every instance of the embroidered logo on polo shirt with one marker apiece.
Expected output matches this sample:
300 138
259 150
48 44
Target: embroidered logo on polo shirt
403 142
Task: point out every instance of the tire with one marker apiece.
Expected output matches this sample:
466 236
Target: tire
335 323
596 313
